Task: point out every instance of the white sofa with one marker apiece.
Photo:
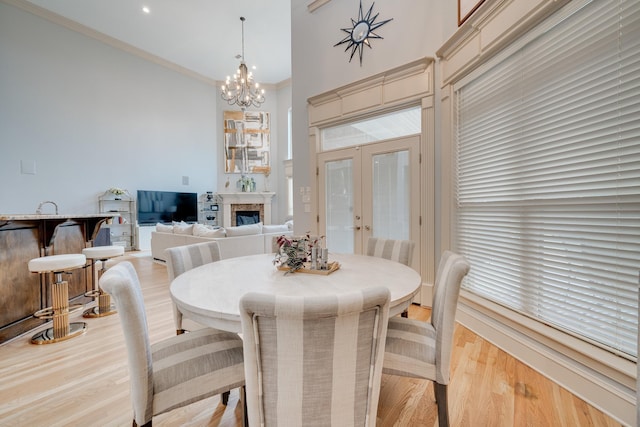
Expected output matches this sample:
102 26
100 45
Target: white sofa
250 239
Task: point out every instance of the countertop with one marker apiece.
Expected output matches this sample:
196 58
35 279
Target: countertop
17 217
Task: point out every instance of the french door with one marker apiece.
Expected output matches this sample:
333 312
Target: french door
370 191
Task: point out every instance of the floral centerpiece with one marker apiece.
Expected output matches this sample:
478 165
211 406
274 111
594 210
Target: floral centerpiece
295 253
118 192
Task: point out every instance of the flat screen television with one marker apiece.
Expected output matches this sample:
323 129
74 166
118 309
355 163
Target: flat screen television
166 206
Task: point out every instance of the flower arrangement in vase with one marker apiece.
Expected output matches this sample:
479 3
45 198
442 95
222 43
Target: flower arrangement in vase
117 192
246 184
295 253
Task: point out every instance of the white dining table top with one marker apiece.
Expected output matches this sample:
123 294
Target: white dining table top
210 294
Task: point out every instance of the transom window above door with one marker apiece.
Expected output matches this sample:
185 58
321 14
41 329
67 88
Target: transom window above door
388 126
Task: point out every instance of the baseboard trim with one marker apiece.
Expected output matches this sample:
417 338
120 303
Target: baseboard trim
613 397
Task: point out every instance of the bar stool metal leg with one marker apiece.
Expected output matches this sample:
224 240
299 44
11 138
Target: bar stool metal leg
59 312
103 300
60 309
104 307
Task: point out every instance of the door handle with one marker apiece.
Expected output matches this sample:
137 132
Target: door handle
366 227
357 227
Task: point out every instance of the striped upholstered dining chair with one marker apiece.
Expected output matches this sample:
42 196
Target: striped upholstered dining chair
184 258
314 361
395 250
423 349
177 371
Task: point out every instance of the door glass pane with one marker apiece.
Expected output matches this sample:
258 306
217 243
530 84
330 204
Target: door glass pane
390 195
339 205
387 126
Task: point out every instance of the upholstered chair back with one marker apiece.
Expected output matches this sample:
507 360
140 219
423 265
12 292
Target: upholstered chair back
184 258
174 372
395 250
121 281
451 270
423 349
314 360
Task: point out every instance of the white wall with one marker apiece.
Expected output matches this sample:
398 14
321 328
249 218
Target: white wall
279 204
91 116
418 29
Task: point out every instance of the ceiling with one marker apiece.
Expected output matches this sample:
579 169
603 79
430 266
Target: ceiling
203 36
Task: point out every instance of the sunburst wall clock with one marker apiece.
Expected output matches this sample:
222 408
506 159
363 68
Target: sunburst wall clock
361 31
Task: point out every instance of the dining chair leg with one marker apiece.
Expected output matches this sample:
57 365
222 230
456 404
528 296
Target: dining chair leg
443 404
243 402
225 397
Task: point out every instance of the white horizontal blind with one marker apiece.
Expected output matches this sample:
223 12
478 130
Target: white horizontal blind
548 174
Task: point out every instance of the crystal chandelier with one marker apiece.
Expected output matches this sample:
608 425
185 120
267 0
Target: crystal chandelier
240 89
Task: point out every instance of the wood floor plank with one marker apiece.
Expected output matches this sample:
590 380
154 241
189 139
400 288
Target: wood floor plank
84 381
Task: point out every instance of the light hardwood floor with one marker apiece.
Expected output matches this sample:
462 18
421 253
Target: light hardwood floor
84 382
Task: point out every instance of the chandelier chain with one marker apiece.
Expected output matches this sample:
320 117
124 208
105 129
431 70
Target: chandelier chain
242 19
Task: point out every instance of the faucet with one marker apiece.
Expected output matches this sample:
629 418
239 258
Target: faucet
39 210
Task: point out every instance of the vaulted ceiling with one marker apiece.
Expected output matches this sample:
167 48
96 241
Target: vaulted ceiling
203 36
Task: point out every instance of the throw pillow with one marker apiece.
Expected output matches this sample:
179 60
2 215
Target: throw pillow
275 228
202 230
163 228
183 229
198 229
244 230
220 232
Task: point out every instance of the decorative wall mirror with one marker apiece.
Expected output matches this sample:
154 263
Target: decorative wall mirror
361 31
246 142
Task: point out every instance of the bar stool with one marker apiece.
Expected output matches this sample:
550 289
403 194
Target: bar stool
60 310
102 254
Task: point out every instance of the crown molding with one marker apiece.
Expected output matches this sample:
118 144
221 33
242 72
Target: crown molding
108 40
316 4
416 67
408 83
283 84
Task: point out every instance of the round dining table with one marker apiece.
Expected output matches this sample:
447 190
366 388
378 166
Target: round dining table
210 294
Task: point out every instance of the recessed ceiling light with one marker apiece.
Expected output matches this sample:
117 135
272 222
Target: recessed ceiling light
145 9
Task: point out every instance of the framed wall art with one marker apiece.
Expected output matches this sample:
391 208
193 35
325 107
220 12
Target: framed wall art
466 9
246 142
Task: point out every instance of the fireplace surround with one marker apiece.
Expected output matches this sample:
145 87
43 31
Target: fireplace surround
234 202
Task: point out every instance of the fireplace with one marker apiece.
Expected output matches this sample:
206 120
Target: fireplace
246 213
245 202
247 217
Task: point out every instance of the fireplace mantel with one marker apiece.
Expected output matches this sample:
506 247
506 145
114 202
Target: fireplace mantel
258 198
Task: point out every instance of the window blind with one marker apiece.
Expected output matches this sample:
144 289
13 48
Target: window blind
548 174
